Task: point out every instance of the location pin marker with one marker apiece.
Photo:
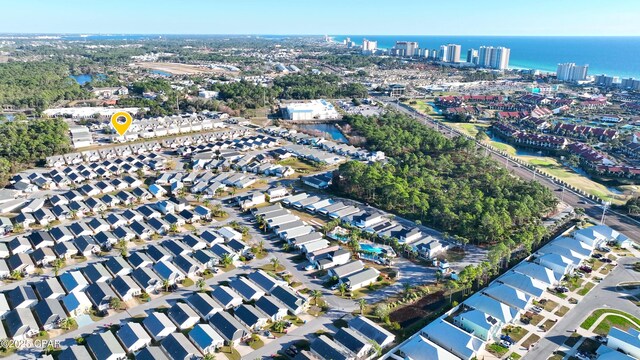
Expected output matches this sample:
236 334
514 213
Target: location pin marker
121 122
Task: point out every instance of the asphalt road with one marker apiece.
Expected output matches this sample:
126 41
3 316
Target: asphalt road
603 295
617 221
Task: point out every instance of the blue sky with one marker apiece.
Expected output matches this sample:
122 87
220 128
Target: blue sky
379 17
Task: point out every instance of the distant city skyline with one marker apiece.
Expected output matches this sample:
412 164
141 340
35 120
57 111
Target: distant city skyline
289 17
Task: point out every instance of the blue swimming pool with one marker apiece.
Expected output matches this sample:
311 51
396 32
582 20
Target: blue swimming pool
371 249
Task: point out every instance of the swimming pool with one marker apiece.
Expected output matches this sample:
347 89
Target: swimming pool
371 249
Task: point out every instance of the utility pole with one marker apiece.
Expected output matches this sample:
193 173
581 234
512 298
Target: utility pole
605 204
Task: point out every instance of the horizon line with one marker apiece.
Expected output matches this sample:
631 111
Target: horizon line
310 35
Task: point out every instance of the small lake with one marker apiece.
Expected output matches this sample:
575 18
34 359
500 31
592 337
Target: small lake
329 129
160 72
85 78
435 108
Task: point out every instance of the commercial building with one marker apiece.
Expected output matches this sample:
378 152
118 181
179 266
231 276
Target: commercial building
572 72
310 110
494 57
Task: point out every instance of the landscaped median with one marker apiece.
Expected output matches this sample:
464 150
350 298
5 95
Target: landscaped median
608 318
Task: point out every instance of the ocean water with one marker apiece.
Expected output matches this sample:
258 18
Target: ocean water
616 56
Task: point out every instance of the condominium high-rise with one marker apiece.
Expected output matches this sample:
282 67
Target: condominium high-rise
572 72
369 47
609 81
494 57
443 54
472 56
453 53
406 48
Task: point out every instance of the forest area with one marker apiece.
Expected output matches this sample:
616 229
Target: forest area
23 143
445 184
37 84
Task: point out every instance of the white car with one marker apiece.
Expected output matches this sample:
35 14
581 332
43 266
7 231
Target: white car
309 267
335 286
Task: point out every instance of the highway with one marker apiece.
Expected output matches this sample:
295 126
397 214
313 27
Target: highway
620 222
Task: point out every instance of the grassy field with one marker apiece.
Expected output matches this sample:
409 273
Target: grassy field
420 105
553 167
530 340
496 349
515 332
586 289
298 165
614 321
470 129
589 321
562 311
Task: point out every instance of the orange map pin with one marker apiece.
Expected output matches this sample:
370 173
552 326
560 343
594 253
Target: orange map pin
121 122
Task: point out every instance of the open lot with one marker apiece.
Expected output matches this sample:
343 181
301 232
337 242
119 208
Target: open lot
178 69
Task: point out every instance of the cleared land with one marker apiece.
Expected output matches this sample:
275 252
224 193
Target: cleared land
178 69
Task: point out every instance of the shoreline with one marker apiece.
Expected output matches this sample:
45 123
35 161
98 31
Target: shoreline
337 39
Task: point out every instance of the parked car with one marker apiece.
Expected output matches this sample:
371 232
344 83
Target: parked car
605 249
562 289
606 260
582 356
586 269
507 338
505 344
596 256
309 267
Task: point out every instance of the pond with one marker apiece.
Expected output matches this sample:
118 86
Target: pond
435 108
85 78
160 72
329 129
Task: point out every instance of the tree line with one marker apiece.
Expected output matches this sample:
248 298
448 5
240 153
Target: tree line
314 86
23 143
